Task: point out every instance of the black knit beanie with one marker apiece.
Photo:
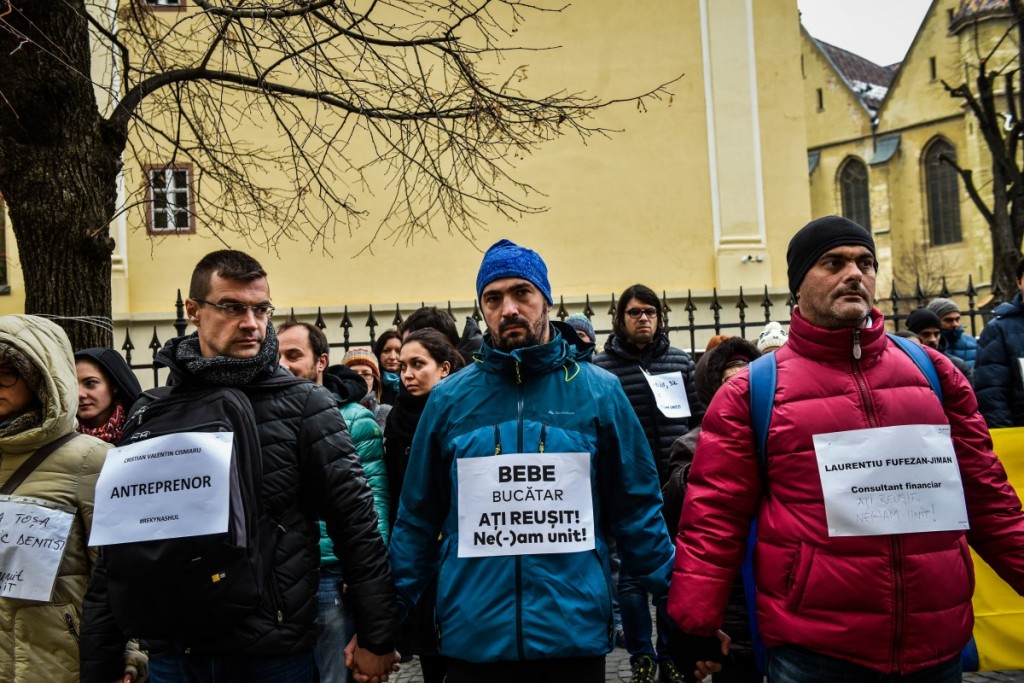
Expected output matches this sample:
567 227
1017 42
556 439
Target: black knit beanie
923 319
817 237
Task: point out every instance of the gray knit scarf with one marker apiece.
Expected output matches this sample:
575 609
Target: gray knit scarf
227 371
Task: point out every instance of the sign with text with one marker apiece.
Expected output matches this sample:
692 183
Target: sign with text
669 393
33 536
525 504
169 486
890 480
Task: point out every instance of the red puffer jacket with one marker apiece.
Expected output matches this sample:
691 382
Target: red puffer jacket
896 603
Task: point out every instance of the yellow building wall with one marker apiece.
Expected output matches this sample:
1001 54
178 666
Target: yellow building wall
679 198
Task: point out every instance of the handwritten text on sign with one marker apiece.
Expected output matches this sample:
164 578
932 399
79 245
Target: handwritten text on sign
169 486
669 393
525 504
890 480
33 536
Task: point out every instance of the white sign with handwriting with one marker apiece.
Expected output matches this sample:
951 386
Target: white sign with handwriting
33 536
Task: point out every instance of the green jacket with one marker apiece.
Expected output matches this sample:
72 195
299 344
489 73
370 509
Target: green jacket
369 444
39 640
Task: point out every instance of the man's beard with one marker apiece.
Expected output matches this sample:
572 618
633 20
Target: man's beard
534 334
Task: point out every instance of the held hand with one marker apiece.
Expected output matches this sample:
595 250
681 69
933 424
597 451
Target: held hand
708 667
368 667
127 678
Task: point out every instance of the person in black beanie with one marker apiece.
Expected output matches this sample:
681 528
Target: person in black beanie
928 327
843 592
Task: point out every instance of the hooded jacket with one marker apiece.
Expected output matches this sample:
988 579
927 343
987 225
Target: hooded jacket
39 640
998 372
628 362
891 603
531 606
348 389
310 472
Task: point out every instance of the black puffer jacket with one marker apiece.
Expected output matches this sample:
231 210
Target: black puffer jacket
310 472
998 380
625 360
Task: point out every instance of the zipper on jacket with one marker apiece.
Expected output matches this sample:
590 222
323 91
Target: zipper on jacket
497 440
519 560
543 435
71 627
899 600
865 395
275 594
856 344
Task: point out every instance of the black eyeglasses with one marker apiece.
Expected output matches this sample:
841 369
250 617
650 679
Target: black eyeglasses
635 313
236 311
9 376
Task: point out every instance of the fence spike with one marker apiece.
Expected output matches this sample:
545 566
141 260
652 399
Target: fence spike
180 322
562 312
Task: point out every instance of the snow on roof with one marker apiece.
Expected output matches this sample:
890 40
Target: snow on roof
869 81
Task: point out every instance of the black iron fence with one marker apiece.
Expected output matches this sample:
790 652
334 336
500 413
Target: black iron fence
740 313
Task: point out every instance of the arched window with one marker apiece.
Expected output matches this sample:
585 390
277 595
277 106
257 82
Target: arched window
853 186
942 185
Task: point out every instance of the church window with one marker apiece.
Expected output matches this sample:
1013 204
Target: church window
853 188
942 186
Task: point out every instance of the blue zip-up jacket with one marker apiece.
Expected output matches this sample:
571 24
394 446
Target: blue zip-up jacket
528 607
961 345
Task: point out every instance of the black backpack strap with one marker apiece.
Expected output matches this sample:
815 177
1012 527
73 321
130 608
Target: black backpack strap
33 462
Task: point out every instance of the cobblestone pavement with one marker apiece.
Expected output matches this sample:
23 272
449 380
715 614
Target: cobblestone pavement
617 671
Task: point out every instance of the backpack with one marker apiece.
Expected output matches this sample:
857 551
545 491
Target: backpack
763 375
199 586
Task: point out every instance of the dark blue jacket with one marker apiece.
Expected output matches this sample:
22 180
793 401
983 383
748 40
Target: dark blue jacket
997 371
531 606
961 345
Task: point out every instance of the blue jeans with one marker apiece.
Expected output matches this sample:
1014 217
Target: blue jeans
334 629
791 664
175 668
636 620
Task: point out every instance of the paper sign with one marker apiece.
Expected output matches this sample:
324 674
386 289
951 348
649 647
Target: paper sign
669 393
1021 362
525 504
166 487
890 480
33 536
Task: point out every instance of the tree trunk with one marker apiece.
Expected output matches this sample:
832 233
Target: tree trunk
58 167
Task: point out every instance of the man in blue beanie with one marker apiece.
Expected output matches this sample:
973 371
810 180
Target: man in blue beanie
531 463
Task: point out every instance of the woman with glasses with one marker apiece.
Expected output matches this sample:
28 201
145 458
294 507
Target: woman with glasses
364 363
52 472
107 388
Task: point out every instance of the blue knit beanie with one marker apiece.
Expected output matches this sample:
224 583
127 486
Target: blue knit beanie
507 259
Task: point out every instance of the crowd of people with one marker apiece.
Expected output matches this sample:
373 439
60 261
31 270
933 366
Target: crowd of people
512 502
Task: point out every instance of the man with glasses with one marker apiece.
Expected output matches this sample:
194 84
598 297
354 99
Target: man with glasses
309 471
659 382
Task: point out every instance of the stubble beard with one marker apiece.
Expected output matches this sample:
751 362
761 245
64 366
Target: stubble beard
534 333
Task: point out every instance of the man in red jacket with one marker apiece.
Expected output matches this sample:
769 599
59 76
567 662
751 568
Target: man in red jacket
873 489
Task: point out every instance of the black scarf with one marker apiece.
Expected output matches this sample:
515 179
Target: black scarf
225 370
398 433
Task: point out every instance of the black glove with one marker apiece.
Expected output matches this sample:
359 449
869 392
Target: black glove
686 649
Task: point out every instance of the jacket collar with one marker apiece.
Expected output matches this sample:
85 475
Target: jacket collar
839 345
529 361
624 349
1014 306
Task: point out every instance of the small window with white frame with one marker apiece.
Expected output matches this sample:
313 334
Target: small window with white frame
164 4
169 201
